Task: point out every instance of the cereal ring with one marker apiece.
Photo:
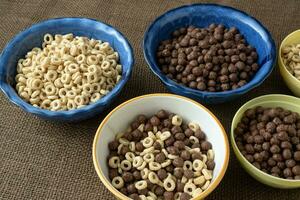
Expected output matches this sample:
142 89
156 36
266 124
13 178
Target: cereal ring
145 173
34 100
155 129
105 65
210 154
125 165
165 152
196 192
140 185
154 166
137 161
71 104
71 94
35 93
80 59
172 157
132 146
142 166
197 173
130 156
176 120
118 182
193 139
46 104
148 142
50 89
95 97
207 174
205 186
184 179
143 197
169 184
92 60
149 157
199 180
56 105
198 165
187 165
189 188
120 147
194 126
151 135
151 194
204 158
166 163
157 134
124 141
48 38
141 127
148 150
195 150
165 135
113 162
153 178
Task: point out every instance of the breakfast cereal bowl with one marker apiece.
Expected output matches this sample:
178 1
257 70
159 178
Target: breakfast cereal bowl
274 100
202 15
33 37
291 81
119 119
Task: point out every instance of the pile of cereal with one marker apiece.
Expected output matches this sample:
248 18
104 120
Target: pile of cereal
291 59
68 72
269 138
211 59
161 157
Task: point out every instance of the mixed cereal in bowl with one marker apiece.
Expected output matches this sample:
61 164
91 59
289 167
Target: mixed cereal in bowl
161 157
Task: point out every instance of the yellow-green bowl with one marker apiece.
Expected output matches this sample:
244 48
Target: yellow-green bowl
273 100
289 79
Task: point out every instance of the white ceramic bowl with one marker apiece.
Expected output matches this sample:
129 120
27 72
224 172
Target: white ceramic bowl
118 120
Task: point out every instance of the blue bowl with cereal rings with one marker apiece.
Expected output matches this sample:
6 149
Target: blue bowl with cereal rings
202 15
33 36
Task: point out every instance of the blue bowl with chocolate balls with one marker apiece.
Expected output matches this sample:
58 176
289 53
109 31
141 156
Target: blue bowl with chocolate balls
209 52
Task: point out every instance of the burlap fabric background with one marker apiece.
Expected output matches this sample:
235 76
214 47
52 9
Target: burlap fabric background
46 160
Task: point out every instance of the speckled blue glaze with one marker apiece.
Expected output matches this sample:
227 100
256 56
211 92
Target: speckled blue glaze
202 15
33 37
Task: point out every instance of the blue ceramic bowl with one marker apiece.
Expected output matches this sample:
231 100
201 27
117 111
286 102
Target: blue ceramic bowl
33 36
202 15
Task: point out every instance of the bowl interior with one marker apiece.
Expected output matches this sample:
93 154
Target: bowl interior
274 100
33 37
202 15
118 120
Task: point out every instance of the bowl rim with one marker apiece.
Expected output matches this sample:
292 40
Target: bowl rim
284 67
118 194
17 100
189 91
237 152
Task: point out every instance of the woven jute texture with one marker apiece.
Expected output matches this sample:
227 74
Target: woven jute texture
46 160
